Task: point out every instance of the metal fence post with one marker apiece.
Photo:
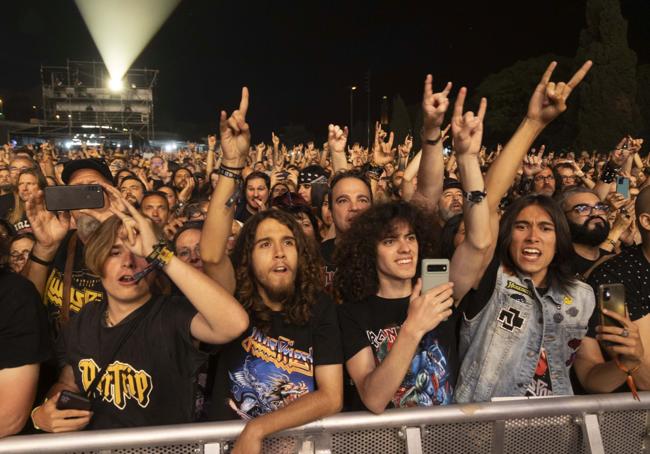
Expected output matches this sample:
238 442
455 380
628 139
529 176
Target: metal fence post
212 448
591 434
498 435
413 437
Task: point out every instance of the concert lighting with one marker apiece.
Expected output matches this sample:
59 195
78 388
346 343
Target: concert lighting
122 28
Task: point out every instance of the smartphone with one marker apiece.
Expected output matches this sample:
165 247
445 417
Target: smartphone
79 197
73 401
623 186
434 273
612 298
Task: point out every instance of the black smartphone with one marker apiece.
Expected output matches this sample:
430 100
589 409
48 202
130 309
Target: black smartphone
612 298
79 197
73 401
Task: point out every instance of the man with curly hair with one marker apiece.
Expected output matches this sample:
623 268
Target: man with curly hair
286 369
399 342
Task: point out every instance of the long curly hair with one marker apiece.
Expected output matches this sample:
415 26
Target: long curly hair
308 283
356 275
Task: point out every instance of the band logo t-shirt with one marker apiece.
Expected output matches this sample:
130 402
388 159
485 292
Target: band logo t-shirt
376 322
262 372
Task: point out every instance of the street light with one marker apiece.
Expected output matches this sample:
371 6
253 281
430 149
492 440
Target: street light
353 88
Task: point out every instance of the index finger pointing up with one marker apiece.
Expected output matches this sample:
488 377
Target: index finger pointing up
243 104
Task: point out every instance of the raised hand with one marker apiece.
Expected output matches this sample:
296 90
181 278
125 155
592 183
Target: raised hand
434 105
533 163
212 141
235 134
383 152
337 138
48 228
186 192
137 233
467 129
549 99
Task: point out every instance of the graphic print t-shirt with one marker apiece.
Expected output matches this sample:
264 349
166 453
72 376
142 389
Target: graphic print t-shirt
259 373
151 379
85 287
431 377
540 385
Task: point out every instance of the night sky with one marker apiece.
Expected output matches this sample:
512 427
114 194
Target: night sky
300 58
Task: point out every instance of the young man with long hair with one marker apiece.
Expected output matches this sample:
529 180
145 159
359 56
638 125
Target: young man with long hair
524 322
149 378
286 370
399 344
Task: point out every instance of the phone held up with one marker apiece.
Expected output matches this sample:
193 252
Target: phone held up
434 272
623 186
79 197
612 298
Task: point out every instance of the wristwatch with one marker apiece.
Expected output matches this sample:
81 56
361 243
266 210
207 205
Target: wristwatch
474 196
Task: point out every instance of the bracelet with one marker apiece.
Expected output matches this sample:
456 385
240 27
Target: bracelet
40 261
223 166
630 379
31 416
434 141
612 242
228 174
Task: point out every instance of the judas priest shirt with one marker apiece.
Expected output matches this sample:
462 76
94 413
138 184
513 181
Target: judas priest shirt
150 380
375 323
262 372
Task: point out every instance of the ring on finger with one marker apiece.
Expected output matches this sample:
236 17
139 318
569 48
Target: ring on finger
625 333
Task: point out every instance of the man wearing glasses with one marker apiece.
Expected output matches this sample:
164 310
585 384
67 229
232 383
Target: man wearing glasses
587 217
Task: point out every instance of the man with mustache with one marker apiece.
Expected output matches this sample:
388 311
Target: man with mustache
132 190
451 201
587 218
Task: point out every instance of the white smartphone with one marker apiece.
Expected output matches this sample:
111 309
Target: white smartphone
434 273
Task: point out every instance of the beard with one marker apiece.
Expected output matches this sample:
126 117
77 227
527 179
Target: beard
86 226
280 294
582 234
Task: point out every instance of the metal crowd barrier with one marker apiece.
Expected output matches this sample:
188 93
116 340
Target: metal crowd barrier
595 424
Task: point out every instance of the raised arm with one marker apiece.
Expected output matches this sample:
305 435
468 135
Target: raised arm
235 143
337 138
547 103
220 317
431 171
467 263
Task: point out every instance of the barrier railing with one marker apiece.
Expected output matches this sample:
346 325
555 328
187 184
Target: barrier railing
595 424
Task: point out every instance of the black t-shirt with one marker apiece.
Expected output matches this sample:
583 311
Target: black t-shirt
22 226
7 202
376 322
259 373
150 381
85 286
24 337
580 265
327 249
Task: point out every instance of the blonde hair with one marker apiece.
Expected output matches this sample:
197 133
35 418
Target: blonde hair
99 246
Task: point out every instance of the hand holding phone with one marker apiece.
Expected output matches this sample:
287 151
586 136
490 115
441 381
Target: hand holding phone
78 197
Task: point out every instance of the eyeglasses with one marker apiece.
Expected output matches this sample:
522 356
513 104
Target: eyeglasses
584 209
539 178
19 255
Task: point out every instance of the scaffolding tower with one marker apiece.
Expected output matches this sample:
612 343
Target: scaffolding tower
79 105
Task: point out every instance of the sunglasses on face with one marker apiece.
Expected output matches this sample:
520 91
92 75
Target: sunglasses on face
583 209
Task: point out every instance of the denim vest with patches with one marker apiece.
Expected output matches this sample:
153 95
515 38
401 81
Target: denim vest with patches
500 347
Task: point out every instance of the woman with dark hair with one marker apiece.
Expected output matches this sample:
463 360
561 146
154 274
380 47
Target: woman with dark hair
524 322
320 206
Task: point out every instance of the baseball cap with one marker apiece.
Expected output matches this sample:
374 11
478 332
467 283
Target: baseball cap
98 165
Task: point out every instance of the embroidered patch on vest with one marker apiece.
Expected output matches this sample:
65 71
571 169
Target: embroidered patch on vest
517 297
510 319
573 311
518 288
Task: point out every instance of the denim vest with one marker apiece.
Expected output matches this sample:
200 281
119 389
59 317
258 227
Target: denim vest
500 347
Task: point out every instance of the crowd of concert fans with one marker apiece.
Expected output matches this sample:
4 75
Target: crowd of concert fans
280 283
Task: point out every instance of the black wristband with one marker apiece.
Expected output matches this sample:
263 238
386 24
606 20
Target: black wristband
223 166
38 260
229 174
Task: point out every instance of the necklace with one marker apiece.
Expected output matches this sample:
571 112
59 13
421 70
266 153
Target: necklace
107 319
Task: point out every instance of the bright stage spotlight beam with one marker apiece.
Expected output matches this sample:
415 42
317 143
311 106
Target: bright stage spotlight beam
115 84
122 28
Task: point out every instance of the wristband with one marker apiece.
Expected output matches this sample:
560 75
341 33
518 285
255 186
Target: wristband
612 242
228 174
38 260
429 141
223 166
31 416
630 379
